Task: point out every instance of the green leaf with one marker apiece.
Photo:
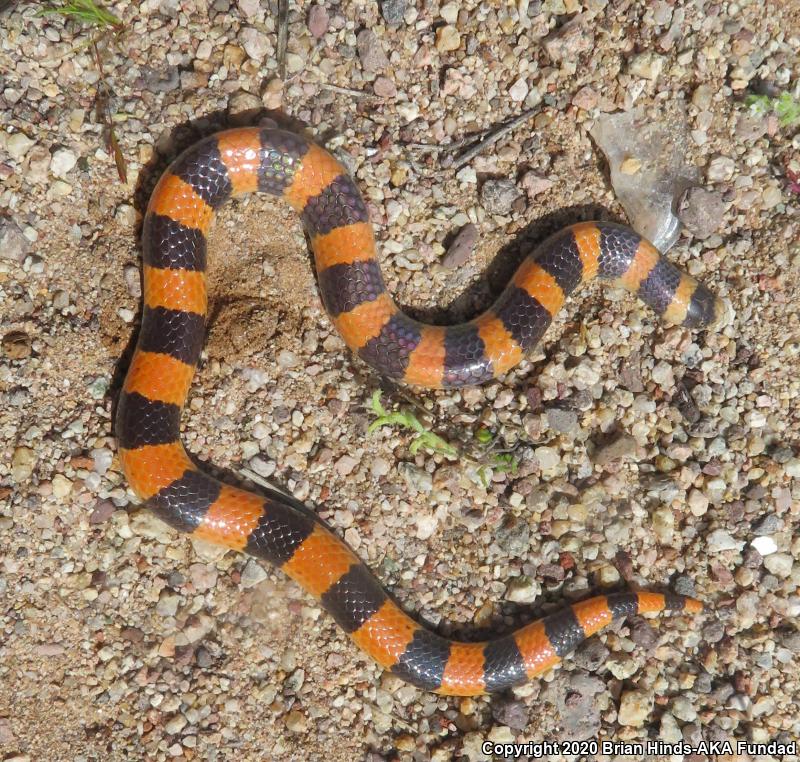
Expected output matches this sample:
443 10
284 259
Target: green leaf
86 11
390 419
506 463
785 106
787 110
484 436
434 442
377 408
760 105
423 437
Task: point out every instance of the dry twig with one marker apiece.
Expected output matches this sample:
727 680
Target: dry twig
104 115
88 12
346 91
477 142
283 36
448 147
491 138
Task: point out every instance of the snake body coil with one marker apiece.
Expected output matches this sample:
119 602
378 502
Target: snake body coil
335 217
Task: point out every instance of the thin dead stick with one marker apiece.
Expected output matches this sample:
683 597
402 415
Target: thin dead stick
262 482
104 112
448 147
283 36
492 137
346 91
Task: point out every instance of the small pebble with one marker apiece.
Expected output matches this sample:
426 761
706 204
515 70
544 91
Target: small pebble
569 40
562 420
447 39
630 166
534 184
14 246
168 604
765 545
779 564
683 709
648 65
586 98
23 462
255 43
669 730
379 467
417 479
621 446
346 465
720 168
720 541
768 524
384 87
16 345
698 503
370 51
393 11
635 707
522 590
243 102
18 145
252 574
102 512
62 162
701 212
663 375
318 20
497 196
548 459
61 486
519 90
296 722
460 250
702 96
771 197
287 359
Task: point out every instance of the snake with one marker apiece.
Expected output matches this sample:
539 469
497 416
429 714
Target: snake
278 529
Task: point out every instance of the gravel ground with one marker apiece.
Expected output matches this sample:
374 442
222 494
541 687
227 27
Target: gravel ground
645 456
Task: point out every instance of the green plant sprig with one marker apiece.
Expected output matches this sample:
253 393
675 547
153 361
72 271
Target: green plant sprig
85 11
484 459
785 106
424 437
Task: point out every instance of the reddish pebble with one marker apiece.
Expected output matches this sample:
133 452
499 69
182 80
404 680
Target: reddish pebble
461 248
585 98
103 509
721 574
132 634
318 20
534 396
534 183
384 87
370 51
